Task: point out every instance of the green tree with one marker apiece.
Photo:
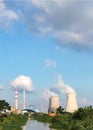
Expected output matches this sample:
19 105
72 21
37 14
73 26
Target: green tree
83 113
4 105
59 110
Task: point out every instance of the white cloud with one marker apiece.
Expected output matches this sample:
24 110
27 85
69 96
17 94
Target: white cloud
22 83
61 50
71 22
50 63
83 101
7 16
1 87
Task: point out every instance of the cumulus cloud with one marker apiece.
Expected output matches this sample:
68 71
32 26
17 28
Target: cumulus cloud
50 63
22 83
7 16
69 22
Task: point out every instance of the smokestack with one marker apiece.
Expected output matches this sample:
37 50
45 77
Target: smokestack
16 99
71 103
24 99
53 104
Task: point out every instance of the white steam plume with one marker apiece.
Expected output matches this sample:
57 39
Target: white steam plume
48 93
64 87
22 83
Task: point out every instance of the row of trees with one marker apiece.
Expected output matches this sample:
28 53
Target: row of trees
79 120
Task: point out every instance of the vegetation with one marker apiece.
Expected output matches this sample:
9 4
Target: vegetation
79 120
8 120
59 110
4 105
12 122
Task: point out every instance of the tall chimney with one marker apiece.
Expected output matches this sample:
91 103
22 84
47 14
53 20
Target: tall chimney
24 99
16 99
53 104
71 103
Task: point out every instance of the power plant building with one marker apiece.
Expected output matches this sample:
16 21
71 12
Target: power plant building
54 103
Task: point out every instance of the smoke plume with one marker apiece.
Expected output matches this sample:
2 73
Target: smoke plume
64 87
22 83
59 88
47 93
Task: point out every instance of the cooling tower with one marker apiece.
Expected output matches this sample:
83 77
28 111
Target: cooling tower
53 104
71 103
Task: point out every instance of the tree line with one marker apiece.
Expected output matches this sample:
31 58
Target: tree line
82 119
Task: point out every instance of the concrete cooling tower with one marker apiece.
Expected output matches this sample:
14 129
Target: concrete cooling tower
53 104
71 103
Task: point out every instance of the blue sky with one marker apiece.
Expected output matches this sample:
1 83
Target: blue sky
42 39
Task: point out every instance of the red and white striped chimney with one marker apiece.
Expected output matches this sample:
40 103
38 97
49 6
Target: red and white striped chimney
16 99
24 99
